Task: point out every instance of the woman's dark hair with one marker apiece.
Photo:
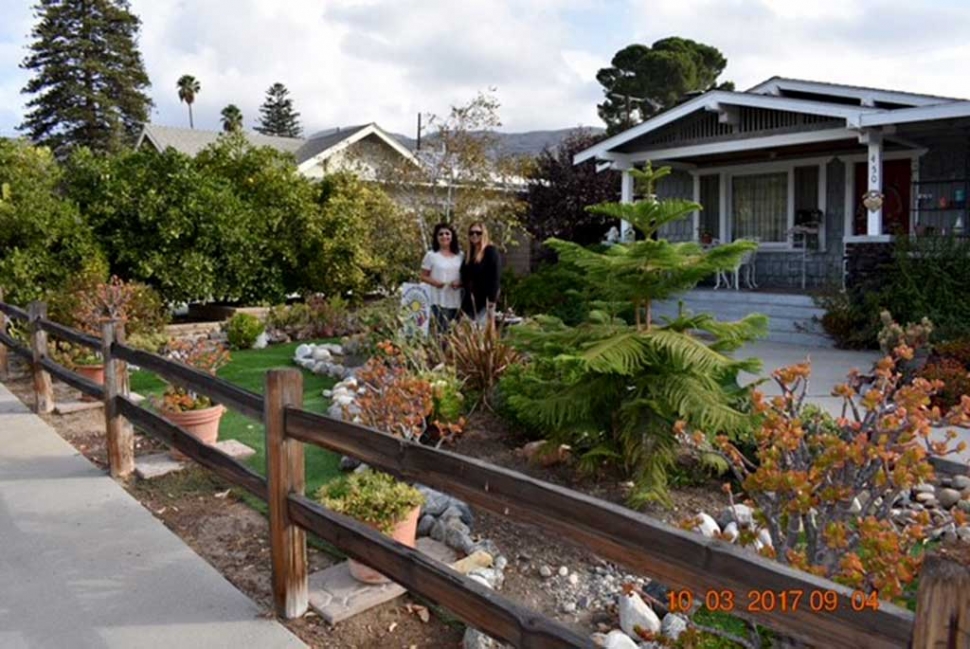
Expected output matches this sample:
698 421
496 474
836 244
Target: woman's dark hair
455 249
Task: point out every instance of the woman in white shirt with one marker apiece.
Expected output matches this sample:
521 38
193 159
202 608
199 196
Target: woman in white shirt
441 269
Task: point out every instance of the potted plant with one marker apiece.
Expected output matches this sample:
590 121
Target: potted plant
380 501
194 413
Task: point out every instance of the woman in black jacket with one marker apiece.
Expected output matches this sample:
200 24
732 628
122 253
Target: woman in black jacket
480 275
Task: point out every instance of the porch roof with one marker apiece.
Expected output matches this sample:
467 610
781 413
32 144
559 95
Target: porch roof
824 125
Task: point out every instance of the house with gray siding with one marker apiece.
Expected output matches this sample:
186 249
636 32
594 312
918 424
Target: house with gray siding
823 176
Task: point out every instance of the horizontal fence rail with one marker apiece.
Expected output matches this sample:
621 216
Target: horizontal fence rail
223 465
14 312
74 380
474 603
677 558
11 343
70 335
220 390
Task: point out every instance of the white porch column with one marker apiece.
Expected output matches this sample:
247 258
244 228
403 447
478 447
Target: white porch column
696 215
626 196
874 219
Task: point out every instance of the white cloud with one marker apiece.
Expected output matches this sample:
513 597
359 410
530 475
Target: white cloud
893 44
354 61
349 62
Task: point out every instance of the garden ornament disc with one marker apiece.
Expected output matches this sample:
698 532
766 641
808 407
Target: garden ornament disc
872 199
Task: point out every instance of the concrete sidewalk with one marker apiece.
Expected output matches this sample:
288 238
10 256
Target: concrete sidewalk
84 565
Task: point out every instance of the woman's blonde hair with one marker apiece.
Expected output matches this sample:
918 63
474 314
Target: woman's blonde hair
479 252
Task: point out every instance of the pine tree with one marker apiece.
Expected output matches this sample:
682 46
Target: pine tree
89 82
614 389
277 116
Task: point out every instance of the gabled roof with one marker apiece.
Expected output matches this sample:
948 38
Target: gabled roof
308 152
855 106
323 145
192 141
866 95
324 140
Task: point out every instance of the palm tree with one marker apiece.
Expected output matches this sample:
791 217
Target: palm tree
188 88
232 118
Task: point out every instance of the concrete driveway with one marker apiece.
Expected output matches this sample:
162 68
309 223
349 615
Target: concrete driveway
829 368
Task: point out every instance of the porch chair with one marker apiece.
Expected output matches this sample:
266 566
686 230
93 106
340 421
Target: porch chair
748 268
721 278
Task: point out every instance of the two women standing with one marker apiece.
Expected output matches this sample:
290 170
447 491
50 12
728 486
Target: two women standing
469 283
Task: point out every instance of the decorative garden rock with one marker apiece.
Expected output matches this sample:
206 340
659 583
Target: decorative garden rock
742 515
673 625
617 640
707 525
634 613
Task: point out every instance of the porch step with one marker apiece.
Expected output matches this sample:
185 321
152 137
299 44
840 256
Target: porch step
792 319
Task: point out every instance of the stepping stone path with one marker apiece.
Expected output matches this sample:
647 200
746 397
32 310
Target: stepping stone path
159 464
336 596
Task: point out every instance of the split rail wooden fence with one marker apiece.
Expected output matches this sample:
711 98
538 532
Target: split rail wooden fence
679 559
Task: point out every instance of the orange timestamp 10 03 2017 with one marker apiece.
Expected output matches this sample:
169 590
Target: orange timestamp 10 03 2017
771 601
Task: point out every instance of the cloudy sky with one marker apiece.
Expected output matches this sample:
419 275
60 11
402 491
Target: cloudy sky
353 61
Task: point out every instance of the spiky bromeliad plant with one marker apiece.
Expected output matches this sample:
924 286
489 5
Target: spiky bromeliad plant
613 389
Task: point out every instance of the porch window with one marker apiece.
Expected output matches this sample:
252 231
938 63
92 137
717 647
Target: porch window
760 207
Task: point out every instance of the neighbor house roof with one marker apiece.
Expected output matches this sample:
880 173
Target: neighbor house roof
322 145
192 141
308 151
851 108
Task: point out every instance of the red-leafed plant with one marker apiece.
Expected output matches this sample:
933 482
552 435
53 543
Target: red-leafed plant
397 401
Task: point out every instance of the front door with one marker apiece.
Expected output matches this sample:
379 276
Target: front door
896 187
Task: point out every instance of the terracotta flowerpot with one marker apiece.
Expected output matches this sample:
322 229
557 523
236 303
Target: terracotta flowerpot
202 424
405 533
93 373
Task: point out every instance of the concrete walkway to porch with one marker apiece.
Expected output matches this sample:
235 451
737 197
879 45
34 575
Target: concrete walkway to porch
84 565
829 368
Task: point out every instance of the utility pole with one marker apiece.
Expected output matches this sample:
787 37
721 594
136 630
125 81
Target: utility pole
626 99
417 146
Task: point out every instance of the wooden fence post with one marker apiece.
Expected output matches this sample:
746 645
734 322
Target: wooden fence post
942 604
120 434
43 389
4 367
285 474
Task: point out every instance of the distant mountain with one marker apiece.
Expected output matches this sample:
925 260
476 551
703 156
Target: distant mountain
530 143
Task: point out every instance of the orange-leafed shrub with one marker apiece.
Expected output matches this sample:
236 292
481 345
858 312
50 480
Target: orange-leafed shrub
824 487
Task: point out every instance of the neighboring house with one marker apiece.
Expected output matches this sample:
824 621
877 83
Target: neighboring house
362 149
822 175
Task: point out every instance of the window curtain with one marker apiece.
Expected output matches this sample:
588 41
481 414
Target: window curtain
760 207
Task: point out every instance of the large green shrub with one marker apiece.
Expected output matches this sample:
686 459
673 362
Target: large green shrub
156 216
44 241
556 289
238 223
358 242
926 278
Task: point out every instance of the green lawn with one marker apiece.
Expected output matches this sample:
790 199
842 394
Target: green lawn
247 370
